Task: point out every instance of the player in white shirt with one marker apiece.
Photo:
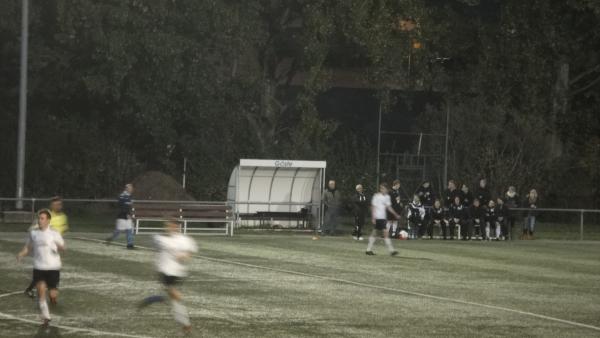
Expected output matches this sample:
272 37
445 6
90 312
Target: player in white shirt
174 250
45 244
381 203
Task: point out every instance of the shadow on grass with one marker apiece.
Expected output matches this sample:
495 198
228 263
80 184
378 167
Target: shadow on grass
50 331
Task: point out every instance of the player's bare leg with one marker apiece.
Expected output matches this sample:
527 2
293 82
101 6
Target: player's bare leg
45 313
179 310
53 295
388 243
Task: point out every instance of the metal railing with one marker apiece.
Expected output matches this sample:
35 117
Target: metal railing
99 213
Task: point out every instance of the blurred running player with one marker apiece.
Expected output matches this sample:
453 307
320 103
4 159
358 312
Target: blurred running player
124 222
380 203
174 250
58 222
45 243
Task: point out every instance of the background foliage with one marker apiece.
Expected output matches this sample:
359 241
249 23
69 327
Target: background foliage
118 88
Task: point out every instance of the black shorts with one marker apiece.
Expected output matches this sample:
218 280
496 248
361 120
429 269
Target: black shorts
169 280
51 277
380 224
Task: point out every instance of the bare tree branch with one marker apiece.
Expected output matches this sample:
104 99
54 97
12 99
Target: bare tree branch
586 87
583 74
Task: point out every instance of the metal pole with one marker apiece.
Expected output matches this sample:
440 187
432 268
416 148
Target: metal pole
184 172
22 105
378 146
581 226
446 142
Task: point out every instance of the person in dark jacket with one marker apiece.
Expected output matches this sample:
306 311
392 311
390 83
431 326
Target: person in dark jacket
483 192
427 197
361 210
458 215
531 202
491 221
438 218
511 200
477 219
450 194
395 197
332 201
416 215
502 212
466 196
124 217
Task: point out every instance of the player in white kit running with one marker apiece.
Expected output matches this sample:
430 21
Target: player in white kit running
175 249
381 203
45 244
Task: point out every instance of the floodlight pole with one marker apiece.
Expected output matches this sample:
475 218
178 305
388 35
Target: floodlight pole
446 142
378 147
184 172
22 105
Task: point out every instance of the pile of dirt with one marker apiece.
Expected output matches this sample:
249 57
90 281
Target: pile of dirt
155 185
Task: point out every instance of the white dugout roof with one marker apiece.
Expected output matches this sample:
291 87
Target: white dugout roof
277 186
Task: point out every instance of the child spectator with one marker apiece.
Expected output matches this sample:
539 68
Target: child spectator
416 215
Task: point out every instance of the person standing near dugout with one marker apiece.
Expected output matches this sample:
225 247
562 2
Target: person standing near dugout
124 221
332 202
361 208
45 244
392 221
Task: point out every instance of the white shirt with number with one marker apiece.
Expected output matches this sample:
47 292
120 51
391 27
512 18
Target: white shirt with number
380 202
45 248
170 246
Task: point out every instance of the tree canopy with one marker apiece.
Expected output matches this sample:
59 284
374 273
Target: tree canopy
118 88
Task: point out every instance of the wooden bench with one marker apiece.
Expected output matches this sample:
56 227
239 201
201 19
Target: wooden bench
186 213
301 217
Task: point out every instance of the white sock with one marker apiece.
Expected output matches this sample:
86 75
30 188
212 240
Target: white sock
371 242
388 243
394 227
180 313
388 225
487 231
497 231
44 309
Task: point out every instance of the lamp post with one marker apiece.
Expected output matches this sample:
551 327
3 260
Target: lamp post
22 105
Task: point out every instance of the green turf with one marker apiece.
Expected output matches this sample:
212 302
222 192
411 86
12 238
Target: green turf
289 285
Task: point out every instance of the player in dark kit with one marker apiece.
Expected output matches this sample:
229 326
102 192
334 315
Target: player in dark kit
451 193
458 216
438 218
477 218
491 221
392 223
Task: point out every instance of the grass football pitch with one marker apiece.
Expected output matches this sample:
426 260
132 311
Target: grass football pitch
282 285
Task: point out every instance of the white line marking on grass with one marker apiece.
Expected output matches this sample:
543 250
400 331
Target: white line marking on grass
349 282
72 328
